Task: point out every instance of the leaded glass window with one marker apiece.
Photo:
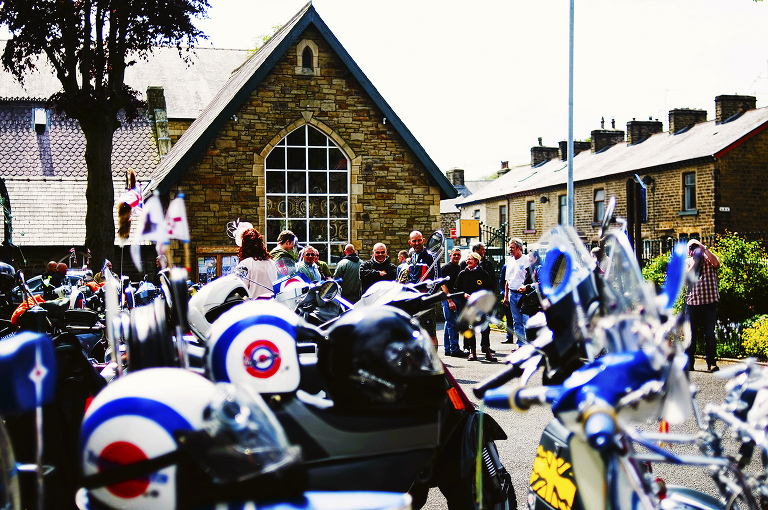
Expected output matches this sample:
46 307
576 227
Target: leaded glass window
307 191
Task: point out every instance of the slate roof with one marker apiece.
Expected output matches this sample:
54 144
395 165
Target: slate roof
46 175
707 140
451 205
59 151
245 80
188 88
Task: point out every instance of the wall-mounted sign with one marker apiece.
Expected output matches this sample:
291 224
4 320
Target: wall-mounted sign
725 209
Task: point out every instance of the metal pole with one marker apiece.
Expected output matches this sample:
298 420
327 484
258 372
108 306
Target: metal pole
570 121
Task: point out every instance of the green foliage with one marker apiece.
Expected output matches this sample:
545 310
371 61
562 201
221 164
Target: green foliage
755 337
743 278
655 270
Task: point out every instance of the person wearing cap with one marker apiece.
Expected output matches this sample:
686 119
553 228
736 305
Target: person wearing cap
470 280
282 254
701 303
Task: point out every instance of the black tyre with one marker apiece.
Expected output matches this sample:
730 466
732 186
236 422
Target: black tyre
10 497
497 488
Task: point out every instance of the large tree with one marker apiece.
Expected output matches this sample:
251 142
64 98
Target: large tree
90 44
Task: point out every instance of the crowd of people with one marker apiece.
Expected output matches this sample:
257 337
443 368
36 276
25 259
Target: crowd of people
517 283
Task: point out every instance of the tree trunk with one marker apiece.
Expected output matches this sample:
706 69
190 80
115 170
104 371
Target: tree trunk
100 194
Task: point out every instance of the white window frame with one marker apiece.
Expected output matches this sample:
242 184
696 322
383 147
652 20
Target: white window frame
331 250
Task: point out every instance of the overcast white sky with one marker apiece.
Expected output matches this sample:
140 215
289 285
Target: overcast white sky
478 82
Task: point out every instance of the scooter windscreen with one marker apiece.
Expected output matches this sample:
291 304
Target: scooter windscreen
568 294
624 291
243 437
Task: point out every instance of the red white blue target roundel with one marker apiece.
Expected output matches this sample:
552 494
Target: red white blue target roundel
261 359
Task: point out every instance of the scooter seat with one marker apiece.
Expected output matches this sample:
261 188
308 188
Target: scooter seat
27 372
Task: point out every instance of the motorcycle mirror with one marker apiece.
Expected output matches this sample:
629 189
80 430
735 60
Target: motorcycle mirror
607 216
675 277
328 291
435 241
476 311
555 273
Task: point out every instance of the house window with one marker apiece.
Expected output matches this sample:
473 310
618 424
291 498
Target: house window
307 179
502 215
599 205
562 209
689 191
530 215
476 214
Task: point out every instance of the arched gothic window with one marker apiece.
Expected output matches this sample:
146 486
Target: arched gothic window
307 181
307 59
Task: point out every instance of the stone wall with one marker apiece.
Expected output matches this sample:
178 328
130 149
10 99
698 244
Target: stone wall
391 192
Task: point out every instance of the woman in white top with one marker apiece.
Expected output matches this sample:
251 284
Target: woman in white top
255 257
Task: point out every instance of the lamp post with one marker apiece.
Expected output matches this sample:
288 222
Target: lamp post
570 121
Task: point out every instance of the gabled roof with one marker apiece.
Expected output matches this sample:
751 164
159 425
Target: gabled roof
46 174
246 79
59 152
707 140
188 88
451 205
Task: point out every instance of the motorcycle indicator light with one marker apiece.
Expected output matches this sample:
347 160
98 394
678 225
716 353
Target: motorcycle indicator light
453 395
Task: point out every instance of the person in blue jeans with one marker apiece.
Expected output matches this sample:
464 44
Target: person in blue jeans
505 306
516 270
451 307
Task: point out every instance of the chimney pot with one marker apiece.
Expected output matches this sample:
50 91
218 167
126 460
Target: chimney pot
728 106
681 118
637 130
455 176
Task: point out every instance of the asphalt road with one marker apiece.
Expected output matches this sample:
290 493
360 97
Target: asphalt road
524 429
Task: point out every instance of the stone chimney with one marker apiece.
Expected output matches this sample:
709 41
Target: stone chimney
157 114
637 130
602 138
577 147
681 118
455 176
540 154
504 168
728 106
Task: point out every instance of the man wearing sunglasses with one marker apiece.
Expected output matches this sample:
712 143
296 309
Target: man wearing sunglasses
308 264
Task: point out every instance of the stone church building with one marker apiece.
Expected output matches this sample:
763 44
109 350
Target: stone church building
293 136
299 138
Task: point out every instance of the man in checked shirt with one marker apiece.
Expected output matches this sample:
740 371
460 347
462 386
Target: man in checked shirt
701 302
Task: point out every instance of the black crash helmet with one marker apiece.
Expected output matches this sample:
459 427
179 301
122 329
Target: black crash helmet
381 357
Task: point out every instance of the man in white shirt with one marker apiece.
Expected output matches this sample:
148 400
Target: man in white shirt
514 280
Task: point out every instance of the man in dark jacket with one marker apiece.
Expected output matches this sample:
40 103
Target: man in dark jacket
470 280
378 269
348 269
486 264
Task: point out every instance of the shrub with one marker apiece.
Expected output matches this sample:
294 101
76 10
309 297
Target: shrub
755 337
743 278
655 270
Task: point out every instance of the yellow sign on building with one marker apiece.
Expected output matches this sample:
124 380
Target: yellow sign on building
468 228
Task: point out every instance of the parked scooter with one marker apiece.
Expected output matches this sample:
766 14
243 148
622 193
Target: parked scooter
618 352
28 379
166 438
377 410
